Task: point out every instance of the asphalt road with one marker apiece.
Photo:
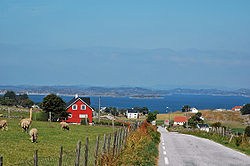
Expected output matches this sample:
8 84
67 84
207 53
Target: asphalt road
185 150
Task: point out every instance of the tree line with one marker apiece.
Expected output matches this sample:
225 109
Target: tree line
11 99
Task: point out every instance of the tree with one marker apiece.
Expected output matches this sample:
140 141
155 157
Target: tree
9 99
157 112
151 117
185 108
22 97
10 95
246 109
114 111
27 103
195 119
1 98
247 131
55 104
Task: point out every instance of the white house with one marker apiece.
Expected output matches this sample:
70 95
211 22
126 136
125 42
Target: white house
132 114
203 127
179 120
193 110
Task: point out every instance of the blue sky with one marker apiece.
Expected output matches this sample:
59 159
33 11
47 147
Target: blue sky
157 44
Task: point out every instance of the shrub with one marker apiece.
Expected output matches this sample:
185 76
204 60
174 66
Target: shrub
216 124
141 148
247 131
238 140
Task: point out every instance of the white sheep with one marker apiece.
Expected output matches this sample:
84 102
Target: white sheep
64 125
25 125
4 124
27 119
34 134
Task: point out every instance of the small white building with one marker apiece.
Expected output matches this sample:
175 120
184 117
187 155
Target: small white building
179 121
193 110
132 114
203 127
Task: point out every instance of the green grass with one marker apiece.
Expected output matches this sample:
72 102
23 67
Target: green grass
15 113
16 146
230 124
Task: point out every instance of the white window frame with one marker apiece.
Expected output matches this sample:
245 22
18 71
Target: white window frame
83 115
70 115
74 106
84 107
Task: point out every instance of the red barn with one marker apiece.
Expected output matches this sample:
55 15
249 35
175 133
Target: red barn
79 108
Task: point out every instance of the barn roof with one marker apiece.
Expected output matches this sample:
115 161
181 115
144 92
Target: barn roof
86 100
180 119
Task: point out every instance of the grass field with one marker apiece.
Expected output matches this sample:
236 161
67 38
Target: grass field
230 119
16 146
167 116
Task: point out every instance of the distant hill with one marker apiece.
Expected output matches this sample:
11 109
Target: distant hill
119 91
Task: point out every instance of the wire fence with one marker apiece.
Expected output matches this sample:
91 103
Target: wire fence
86 153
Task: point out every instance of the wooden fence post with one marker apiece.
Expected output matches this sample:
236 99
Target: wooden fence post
96 150
1 160
104 144
223 132
120 142
114 144
113 125
35 158
117 142
86 152
87 125
126 137
123 135
78 149
231 138
8 113
60 156
109 139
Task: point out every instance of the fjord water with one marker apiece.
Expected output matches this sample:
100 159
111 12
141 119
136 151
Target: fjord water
175 102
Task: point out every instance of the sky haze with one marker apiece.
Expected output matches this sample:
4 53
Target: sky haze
156 44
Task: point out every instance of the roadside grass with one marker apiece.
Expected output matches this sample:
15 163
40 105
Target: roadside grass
242 142
16 146
141 149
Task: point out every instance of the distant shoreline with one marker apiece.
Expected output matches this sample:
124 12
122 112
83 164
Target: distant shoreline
132 97
146 97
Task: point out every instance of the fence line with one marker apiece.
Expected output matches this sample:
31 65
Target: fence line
111 145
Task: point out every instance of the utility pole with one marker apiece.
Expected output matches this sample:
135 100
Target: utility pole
186 121
99 109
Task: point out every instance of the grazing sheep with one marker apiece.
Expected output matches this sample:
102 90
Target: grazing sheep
34 134
4 124
27 119
64 125
25 125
